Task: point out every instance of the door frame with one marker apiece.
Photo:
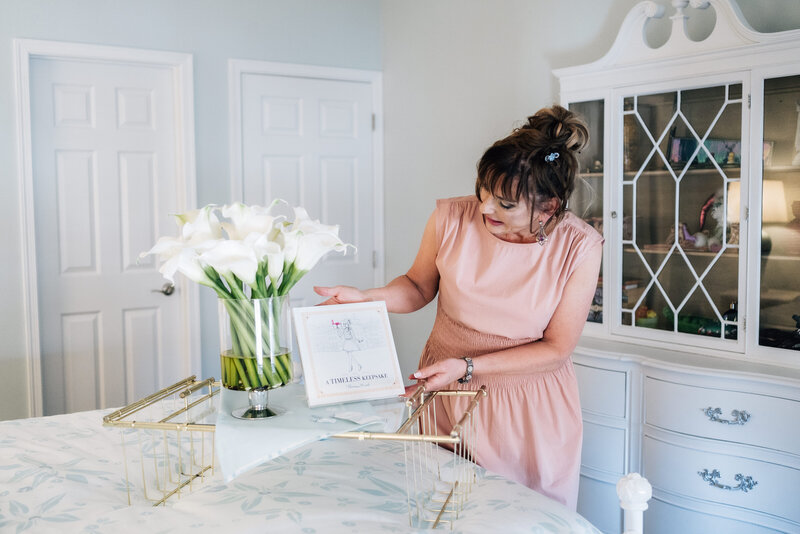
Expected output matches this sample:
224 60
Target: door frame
180 66
237 68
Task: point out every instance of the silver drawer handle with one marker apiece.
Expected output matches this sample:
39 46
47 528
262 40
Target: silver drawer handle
740 417
745 484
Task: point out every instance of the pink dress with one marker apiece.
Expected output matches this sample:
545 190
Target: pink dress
495 295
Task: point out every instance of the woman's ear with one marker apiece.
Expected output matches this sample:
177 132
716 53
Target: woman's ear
549 206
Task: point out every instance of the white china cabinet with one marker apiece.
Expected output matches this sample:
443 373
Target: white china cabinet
689 365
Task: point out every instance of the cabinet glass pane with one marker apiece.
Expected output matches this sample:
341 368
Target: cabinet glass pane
681 159
587 199
779 310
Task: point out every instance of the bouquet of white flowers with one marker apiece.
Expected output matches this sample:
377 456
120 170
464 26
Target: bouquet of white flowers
251 259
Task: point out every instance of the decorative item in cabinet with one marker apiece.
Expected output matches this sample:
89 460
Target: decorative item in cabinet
675 194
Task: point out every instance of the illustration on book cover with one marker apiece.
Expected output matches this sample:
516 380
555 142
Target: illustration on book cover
348 350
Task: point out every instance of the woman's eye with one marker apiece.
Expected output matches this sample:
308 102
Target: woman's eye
506 206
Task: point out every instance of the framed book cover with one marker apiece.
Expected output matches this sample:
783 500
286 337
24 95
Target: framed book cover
348 353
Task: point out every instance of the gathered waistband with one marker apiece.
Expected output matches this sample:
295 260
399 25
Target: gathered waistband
452 339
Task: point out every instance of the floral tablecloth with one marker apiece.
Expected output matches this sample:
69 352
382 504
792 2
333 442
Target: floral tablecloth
66 474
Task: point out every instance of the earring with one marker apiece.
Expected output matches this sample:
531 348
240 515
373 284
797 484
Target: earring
541 237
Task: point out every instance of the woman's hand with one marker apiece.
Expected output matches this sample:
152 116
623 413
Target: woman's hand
341 295
437 376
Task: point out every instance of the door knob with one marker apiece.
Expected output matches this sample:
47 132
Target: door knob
168 289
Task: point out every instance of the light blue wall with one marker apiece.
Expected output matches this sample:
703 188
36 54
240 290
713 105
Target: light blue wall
336 33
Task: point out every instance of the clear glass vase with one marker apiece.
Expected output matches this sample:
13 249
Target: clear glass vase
255 350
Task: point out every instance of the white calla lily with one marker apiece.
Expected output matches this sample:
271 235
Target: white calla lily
251 245
187 262
287 240
201 225
312 247
275 262
267 251
272 253
305 224
232 257
247 220
176 256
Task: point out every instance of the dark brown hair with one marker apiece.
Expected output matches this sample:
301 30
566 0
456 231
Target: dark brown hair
523 166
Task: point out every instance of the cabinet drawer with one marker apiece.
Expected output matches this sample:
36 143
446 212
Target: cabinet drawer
602 391
665 518
598 502
675 469
682 408
603 448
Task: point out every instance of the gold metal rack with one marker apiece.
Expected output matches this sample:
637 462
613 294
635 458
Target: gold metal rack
437 484
174 430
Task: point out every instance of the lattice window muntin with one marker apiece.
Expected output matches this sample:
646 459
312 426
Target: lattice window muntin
650 136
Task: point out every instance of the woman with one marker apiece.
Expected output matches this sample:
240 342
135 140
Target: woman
515 274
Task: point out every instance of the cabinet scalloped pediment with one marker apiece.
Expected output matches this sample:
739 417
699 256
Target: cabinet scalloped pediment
730 31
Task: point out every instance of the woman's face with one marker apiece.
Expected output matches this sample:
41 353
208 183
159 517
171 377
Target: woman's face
508 219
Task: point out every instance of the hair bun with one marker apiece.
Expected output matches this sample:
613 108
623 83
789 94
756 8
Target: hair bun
561 127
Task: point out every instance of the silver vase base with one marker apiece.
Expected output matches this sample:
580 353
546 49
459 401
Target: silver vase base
249 412
258 406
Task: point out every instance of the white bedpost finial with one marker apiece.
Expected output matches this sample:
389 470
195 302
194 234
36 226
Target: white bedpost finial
634 491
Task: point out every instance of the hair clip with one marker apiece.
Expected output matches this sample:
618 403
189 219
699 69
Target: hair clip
551 157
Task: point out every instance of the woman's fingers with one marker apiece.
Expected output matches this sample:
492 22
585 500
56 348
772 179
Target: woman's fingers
340 294
439 375
322 290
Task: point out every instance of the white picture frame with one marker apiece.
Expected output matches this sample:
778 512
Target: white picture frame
348 353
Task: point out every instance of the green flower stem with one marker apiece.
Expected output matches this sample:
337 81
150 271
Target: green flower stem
283 369
286 283
243 343
242 374
271 378
274 312
261 281
278 371
256 380
236 345
243 327
246 326
235 286
233 376
242 319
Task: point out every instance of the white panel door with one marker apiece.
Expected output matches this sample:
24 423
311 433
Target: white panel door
104 172
309 142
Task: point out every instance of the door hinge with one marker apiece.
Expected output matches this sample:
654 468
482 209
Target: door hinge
748 100
373 122
374 259
747 213
744 324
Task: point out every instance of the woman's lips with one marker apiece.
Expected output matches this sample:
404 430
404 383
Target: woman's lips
493 222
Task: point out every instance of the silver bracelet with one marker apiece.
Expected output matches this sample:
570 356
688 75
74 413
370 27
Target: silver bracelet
468 375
